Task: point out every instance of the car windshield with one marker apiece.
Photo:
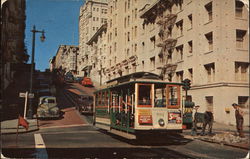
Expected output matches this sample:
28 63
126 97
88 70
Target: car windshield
51 101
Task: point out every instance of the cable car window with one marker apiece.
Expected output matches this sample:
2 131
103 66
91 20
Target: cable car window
173 96
144 97
115 99
160 96
99 98
103 98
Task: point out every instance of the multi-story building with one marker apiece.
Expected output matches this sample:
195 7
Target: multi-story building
93 14
98 44
204 41
123 36
13 49
66 58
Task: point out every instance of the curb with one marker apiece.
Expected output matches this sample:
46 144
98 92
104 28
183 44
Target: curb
19 132
216 142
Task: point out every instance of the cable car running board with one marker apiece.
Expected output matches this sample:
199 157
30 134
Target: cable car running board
123 134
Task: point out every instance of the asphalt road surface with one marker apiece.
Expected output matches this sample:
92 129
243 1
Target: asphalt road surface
73 136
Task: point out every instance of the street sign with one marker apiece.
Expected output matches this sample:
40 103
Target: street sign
31 95
22 94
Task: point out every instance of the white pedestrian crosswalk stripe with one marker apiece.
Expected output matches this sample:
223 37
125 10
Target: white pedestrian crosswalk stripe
40 147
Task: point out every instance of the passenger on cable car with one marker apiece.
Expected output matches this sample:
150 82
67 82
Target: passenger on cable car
144 101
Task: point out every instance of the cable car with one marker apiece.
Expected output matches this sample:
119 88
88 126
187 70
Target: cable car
139 103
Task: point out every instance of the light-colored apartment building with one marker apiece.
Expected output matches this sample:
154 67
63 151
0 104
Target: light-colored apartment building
98 44
66 58
205 41
123 37
93 14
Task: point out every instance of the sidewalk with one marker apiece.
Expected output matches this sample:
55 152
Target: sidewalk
223 134
10 126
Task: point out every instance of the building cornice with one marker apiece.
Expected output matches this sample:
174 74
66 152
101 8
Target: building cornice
94 38
220 84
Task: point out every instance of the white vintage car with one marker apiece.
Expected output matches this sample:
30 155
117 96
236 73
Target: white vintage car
47 107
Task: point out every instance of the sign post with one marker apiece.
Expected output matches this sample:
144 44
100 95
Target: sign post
25 104
26 95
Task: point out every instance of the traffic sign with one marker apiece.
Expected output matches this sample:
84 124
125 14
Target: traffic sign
22 94
31 95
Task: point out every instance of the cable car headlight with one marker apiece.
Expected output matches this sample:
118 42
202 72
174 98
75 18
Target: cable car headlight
161 122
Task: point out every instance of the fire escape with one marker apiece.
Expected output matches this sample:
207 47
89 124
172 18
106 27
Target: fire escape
157 14
167 44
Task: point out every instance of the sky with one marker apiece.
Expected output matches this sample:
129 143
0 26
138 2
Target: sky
59 20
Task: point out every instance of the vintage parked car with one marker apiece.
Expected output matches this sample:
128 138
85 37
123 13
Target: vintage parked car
78 79
87 82
47 107
69 78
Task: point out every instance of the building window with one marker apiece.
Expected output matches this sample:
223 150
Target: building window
97 9
169 77
135 48
152 39
179 50
135 13
115 31
209 9
239 9
128 4
110 22
127 52
209 37
241 71
135 31
179 76
190 46
93 8
134 67
125 22
93 18
190 71
97 18
209 103
180 27
210 69
152 62
111 9
243 101
240 38
105 20
128 36
115 47
125 7
128 20
190 20
142 65
169 32
110 50
169 56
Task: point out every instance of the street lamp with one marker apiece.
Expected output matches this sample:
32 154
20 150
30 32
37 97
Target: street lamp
42 38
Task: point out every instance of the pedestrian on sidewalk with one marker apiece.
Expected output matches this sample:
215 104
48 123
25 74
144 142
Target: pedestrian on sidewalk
208 120
239 113
194 118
